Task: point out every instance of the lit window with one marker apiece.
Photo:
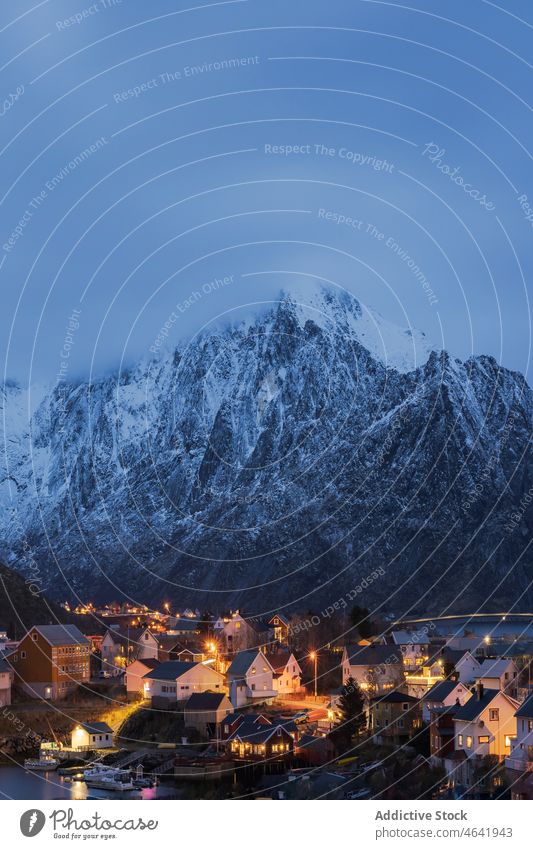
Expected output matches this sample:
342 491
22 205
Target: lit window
468 742
459 739
484 739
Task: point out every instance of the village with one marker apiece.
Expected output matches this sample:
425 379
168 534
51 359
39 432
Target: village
198 705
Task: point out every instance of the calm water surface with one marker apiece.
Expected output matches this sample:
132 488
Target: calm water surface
18 783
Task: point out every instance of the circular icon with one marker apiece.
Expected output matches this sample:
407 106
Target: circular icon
32 822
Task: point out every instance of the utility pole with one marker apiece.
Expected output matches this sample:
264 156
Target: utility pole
314 657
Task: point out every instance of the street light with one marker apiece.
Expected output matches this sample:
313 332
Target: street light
314 657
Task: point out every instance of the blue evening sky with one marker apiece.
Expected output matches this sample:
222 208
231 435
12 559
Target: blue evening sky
156 139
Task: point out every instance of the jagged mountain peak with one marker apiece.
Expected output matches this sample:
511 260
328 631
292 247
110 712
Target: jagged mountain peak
314 439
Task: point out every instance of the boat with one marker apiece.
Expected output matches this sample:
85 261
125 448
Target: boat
43 764
141 783
109 782
101 770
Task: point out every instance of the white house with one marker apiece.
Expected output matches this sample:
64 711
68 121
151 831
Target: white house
175 681
498 674
250 678
287 671
375 668
483 726
92 735
414 648
135 673
520 758
444 694
147 645
465 664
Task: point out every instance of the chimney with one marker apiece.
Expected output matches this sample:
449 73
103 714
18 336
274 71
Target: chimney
479 690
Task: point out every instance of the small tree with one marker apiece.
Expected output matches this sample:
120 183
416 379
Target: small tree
352 722
359 617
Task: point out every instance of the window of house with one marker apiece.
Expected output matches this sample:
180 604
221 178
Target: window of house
459 739
507 741
405 706
400 723
484 739
468 742
530 725
22 655
35 637
237 625
494 714
253 686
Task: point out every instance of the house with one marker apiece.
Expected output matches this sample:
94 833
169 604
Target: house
190 654
315 750
444 694
233 720
51 661
441 733
174 681
287 672
92 735
414 648
166 644
6 678
253 740
428 673
184 627
464 663
520 759
280 626
218 626
206 712
477 646
483 726
147 645
119 649
250 678
498 674
394 718
135 673
375 668
241 634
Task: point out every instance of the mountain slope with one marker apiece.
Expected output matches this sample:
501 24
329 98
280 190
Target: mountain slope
277 461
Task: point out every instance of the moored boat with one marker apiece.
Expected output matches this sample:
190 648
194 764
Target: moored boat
43 764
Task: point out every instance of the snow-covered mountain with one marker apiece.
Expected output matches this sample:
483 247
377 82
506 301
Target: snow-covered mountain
275 461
